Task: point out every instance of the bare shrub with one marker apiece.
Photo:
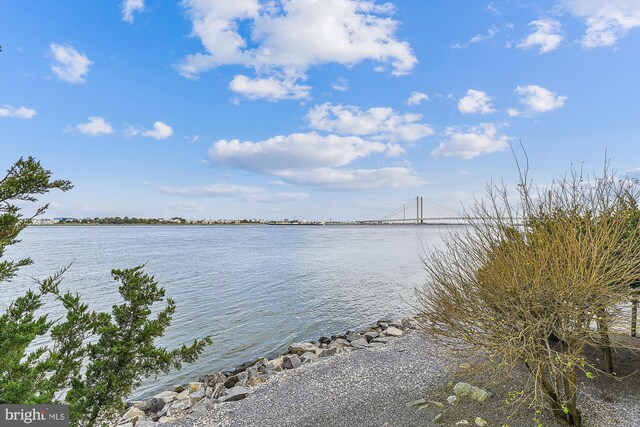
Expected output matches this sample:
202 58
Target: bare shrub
537 278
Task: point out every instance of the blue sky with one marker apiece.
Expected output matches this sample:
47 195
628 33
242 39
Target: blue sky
321 109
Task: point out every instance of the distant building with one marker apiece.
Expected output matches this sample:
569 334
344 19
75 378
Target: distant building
64 219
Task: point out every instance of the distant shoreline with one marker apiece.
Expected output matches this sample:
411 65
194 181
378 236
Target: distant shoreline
285 225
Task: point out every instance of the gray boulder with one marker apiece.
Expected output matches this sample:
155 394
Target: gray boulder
213 379
392 331
360 343
291 362
327 351
238 379
309 356
218 391
151 405
236 393
301 348
476 393
370 335
166 396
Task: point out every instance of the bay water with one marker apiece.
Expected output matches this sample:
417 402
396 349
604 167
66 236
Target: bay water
253 289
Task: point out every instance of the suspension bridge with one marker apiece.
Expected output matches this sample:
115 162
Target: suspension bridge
412 212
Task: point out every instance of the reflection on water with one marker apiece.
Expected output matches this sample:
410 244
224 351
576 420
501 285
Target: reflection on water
254 289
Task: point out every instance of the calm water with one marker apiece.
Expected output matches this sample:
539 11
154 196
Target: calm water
253 289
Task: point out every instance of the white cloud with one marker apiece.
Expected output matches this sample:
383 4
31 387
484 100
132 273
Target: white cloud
249 193
314 160
395 150
295 151
513 112
354 179
491 33
94 127
160 131
547 35
129 7
381 123
285 38
215 190
476 101
539 99
341 84
607 21
17 112
268 88
472 142
416 98
69 64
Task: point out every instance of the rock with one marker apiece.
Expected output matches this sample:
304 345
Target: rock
410 323
252 371
166 396
219 390
236 393
256 381
383 325
476 393
309 356
354 336
291 362
167 419
160 413
370 335
396 324
480 422
394 332
145 423
201 408
179 406
193 387
465 365
439 418
275 364
152 405
452 400
436 403
133 415
238 379
360 343
178 388
246 365
213 379
197 395
301 348
418 404
341 341
324 340
325 352
462 423
383 321
208 392
184 394
125 424
380 340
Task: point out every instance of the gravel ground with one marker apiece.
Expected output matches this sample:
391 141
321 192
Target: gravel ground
370 387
